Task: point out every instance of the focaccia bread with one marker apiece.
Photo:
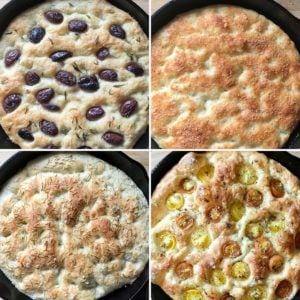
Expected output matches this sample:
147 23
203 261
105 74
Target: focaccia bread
74 74
224 77
226 226
72 227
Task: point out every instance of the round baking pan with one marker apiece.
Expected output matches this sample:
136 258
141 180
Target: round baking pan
289 161
118 159
269 8
14 7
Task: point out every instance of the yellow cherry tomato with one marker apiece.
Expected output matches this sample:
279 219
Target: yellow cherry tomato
215 213
200 238
254 230
227 296
206 173
175 202
231 249
188 185
237 210
254 198
240 270
276 263
284 289
246 174
166 240
257 292
277 188
193 294
184 270
263 246
217 278
185 221
276 224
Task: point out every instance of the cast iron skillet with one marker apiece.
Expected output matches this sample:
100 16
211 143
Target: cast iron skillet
269 8
14 7
289 161
132 168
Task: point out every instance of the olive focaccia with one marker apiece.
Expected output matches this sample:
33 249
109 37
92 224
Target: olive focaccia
74 74
72 227
226 225
224 77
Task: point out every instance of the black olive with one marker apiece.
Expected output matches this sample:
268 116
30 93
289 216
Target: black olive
12 56
89 83
117 31
26 135
11 102
94 113
77 26
32 78
54 16
108 75
49 128
36 34
60 55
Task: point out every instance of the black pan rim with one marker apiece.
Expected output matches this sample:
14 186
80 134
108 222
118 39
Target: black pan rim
126 5
163 167
278 14
240 3
21 157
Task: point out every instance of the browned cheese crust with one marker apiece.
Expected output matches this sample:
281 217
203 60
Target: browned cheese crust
226 225
72 227
224 77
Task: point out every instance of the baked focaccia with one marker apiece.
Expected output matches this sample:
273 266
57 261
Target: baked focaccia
72 227
226 225
224 77
74 74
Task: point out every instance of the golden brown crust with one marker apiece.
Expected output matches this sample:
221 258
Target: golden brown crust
230 234
72 226
230 78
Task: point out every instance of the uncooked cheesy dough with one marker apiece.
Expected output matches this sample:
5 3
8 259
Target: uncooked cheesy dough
72 227
225 226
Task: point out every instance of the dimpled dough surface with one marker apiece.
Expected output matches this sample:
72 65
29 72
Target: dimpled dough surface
72 103
72 227
224 77
225 226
